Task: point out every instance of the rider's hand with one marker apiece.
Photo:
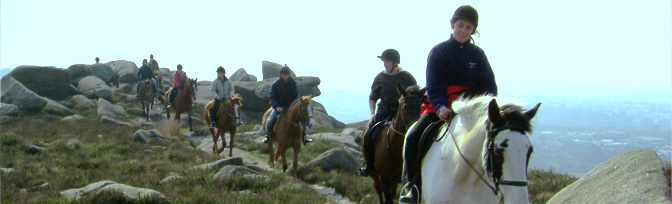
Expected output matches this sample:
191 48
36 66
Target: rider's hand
218 98
373 117
279 109
444 113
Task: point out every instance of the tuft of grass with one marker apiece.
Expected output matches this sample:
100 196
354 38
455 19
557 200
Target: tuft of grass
545 183
324 129
170 129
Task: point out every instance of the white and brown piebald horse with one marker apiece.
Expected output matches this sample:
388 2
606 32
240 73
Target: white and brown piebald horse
482 157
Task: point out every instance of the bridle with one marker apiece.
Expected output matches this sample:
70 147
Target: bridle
492 133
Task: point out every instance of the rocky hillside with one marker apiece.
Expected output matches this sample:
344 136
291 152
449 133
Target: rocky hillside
51 90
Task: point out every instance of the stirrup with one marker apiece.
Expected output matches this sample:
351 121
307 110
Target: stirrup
213 125
408 198
267 139
364 172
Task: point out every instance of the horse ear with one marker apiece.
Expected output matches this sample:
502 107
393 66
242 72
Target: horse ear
493 114
422 91
530 113
401 90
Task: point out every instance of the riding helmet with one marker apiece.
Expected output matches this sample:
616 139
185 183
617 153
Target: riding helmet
179 66
284 70
391 55
221 69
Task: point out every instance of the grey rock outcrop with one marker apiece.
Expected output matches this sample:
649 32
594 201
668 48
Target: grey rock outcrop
145 136
94 87
237 161
633 177
336 159
13 92
8 109
126 70
228 171
32 149
72 118
105 108
109 119
242 75
169 179
134 193
272 70
83 101
79 71
55 108
50 82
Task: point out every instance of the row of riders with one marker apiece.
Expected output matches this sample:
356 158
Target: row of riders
457 70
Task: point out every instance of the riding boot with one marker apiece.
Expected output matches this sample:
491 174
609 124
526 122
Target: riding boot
412 196
213 117
268 138
365 170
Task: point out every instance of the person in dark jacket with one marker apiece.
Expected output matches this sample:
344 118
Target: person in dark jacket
283 92
455 68
145 72
384 88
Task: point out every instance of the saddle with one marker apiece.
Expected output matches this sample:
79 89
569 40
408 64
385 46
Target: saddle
428 137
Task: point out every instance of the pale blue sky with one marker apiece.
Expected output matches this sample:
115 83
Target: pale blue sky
533 46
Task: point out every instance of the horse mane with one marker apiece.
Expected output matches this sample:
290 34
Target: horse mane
473 112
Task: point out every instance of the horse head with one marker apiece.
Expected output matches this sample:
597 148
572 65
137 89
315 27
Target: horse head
237 102
190 87
409 103
507 150
306 115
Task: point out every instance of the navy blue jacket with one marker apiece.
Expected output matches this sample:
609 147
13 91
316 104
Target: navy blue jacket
283 93
145 73
454 63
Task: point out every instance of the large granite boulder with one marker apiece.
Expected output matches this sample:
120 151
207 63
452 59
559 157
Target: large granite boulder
94 87
105 108
126 70
131 192
102 71
13 92
308 86
242 75
336 159
166 78
8 109
272 70
237 161
55 108
633 177
145 136
83 101
50 82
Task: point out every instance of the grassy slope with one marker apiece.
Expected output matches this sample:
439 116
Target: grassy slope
76 157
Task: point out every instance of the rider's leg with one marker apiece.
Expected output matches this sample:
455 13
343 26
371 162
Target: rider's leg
171 99
213 114
411 157
269 125
369 142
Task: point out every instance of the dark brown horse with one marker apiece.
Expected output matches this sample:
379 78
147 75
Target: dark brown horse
146 98
184 100
228 117
389 144
288 131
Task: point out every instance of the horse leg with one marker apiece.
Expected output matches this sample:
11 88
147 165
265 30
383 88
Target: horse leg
232 135
297 148
284 159
220 133
168 114
377 184
389 189
271 155
191 129
215 136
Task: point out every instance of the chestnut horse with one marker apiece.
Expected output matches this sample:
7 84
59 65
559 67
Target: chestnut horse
288 130
388 163
146 98
184 100
228 117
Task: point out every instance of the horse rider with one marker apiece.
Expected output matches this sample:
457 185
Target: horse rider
222 89
283 92
455 67
155 67
179 79
145 72
384 87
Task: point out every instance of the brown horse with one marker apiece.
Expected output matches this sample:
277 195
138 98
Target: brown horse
146 98
228 117
184 100
288 131
388 146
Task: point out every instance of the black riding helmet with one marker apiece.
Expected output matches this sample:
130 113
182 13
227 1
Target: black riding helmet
221 69
468 13
284 70
391 55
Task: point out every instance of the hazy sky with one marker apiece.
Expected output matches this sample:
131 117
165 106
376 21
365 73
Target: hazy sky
532 45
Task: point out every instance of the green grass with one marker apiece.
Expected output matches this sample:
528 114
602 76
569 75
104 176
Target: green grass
76 157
